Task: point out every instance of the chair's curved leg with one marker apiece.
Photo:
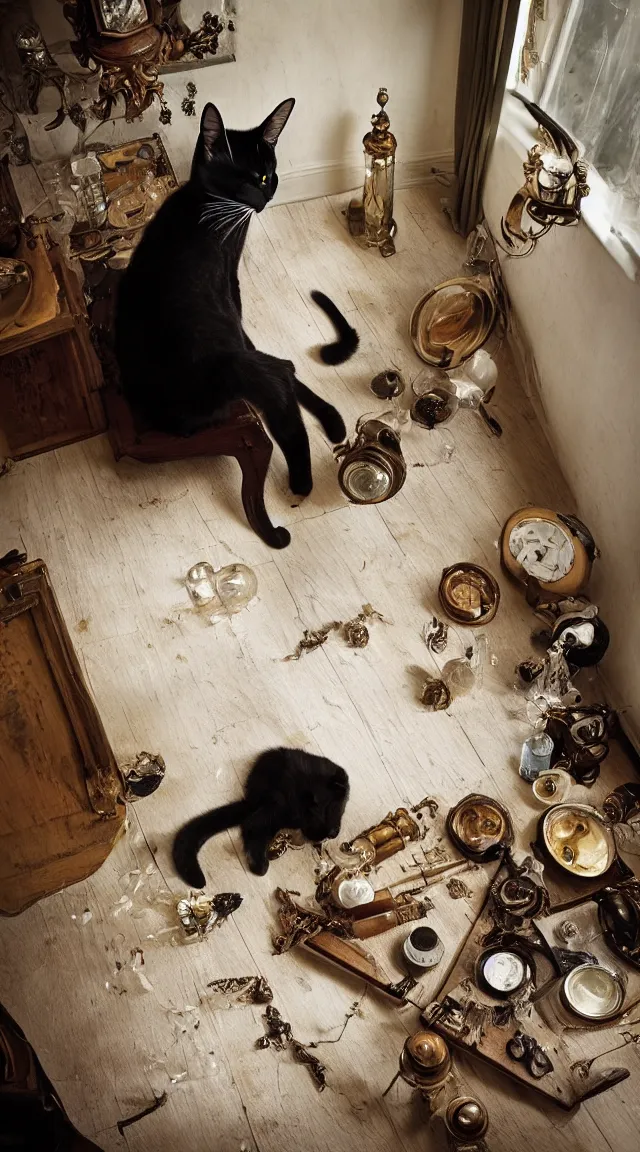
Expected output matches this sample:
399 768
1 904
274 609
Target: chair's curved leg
254 459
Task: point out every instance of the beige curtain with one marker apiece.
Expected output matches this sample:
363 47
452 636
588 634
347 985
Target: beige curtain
486 40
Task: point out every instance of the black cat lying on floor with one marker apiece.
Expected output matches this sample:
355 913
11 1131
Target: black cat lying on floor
286 788
181 348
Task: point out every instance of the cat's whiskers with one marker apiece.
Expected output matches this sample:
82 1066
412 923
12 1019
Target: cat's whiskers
238 224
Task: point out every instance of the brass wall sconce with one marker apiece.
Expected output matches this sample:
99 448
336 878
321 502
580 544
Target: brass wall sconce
555 181
372 217
372 467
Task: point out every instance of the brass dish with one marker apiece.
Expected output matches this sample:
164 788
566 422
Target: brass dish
469 594
576 837
451 321
573 567
480 827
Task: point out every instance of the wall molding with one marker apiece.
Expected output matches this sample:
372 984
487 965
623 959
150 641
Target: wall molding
306 183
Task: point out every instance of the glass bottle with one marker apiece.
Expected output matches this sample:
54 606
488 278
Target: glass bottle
535 756
90 189
55 177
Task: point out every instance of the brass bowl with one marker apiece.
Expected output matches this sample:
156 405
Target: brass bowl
480 827
576 837
469 594
451 321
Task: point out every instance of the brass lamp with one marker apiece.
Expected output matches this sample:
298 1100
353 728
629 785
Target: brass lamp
372 217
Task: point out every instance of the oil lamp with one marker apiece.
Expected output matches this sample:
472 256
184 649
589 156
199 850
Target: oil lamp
372 467
372 217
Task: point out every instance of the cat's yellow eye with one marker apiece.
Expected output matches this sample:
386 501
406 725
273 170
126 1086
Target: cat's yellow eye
264 179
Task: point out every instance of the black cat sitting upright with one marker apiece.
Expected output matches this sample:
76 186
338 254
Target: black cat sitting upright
181 348
286 788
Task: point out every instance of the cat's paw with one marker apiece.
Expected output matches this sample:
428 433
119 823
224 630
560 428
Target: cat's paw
300 485
333 424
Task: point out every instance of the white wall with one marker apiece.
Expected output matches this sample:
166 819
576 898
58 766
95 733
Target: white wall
581 315
332 55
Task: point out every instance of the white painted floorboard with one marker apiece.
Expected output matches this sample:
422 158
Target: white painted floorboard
118 540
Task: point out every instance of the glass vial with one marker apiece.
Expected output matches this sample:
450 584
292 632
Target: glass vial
536 755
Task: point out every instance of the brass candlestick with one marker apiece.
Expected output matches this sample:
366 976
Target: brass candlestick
372 217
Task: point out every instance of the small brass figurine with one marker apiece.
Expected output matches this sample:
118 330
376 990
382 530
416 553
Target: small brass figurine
425 1065
390 835
372 217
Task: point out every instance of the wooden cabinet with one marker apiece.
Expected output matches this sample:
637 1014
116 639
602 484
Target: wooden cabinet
61 802
50 375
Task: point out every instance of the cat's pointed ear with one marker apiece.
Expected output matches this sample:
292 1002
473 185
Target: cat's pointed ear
273 125
213 131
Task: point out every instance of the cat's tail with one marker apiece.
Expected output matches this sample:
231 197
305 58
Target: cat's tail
192 836
348 338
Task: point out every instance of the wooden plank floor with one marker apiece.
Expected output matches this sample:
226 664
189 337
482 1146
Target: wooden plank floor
118 540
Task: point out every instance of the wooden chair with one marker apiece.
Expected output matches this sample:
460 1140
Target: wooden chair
242 435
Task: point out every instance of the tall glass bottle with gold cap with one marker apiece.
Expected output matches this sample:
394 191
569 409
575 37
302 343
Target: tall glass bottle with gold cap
372 217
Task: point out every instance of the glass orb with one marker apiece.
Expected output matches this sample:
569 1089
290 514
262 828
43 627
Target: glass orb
366 482
236 585
201 583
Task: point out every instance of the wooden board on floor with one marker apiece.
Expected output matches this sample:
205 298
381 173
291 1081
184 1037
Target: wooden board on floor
118 540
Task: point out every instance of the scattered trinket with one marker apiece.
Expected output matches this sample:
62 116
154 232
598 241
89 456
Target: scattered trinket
458 890
466 672
623 803
502 972
372 467
354 631
554 552
245 989
390 835
199 914
525 1048
387 384
466 1121
425 1064
552 787
436 635
619 916
435 694
142 775
469 594
567 931
519 898
286 838
480 828
279 1035
354 891
431 803
577 838
221 591
592 992
423 948
312 639
535 757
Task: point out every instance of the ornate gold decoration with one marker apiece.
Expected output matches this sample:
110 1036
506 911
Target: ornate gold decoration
372 217
130 62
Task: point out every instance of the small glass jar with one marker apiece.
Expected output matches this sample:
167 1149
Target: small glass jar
535 757
222 591
588 996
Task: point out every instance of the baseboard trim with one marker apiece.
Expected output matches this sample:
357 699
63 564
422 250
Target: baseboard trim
327 179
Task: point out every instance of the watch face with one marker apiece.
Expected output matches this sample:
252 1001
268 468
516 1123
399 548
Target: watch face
543 548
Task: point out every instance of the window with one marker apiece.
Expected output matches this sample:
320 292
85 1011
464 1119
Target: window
580 60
